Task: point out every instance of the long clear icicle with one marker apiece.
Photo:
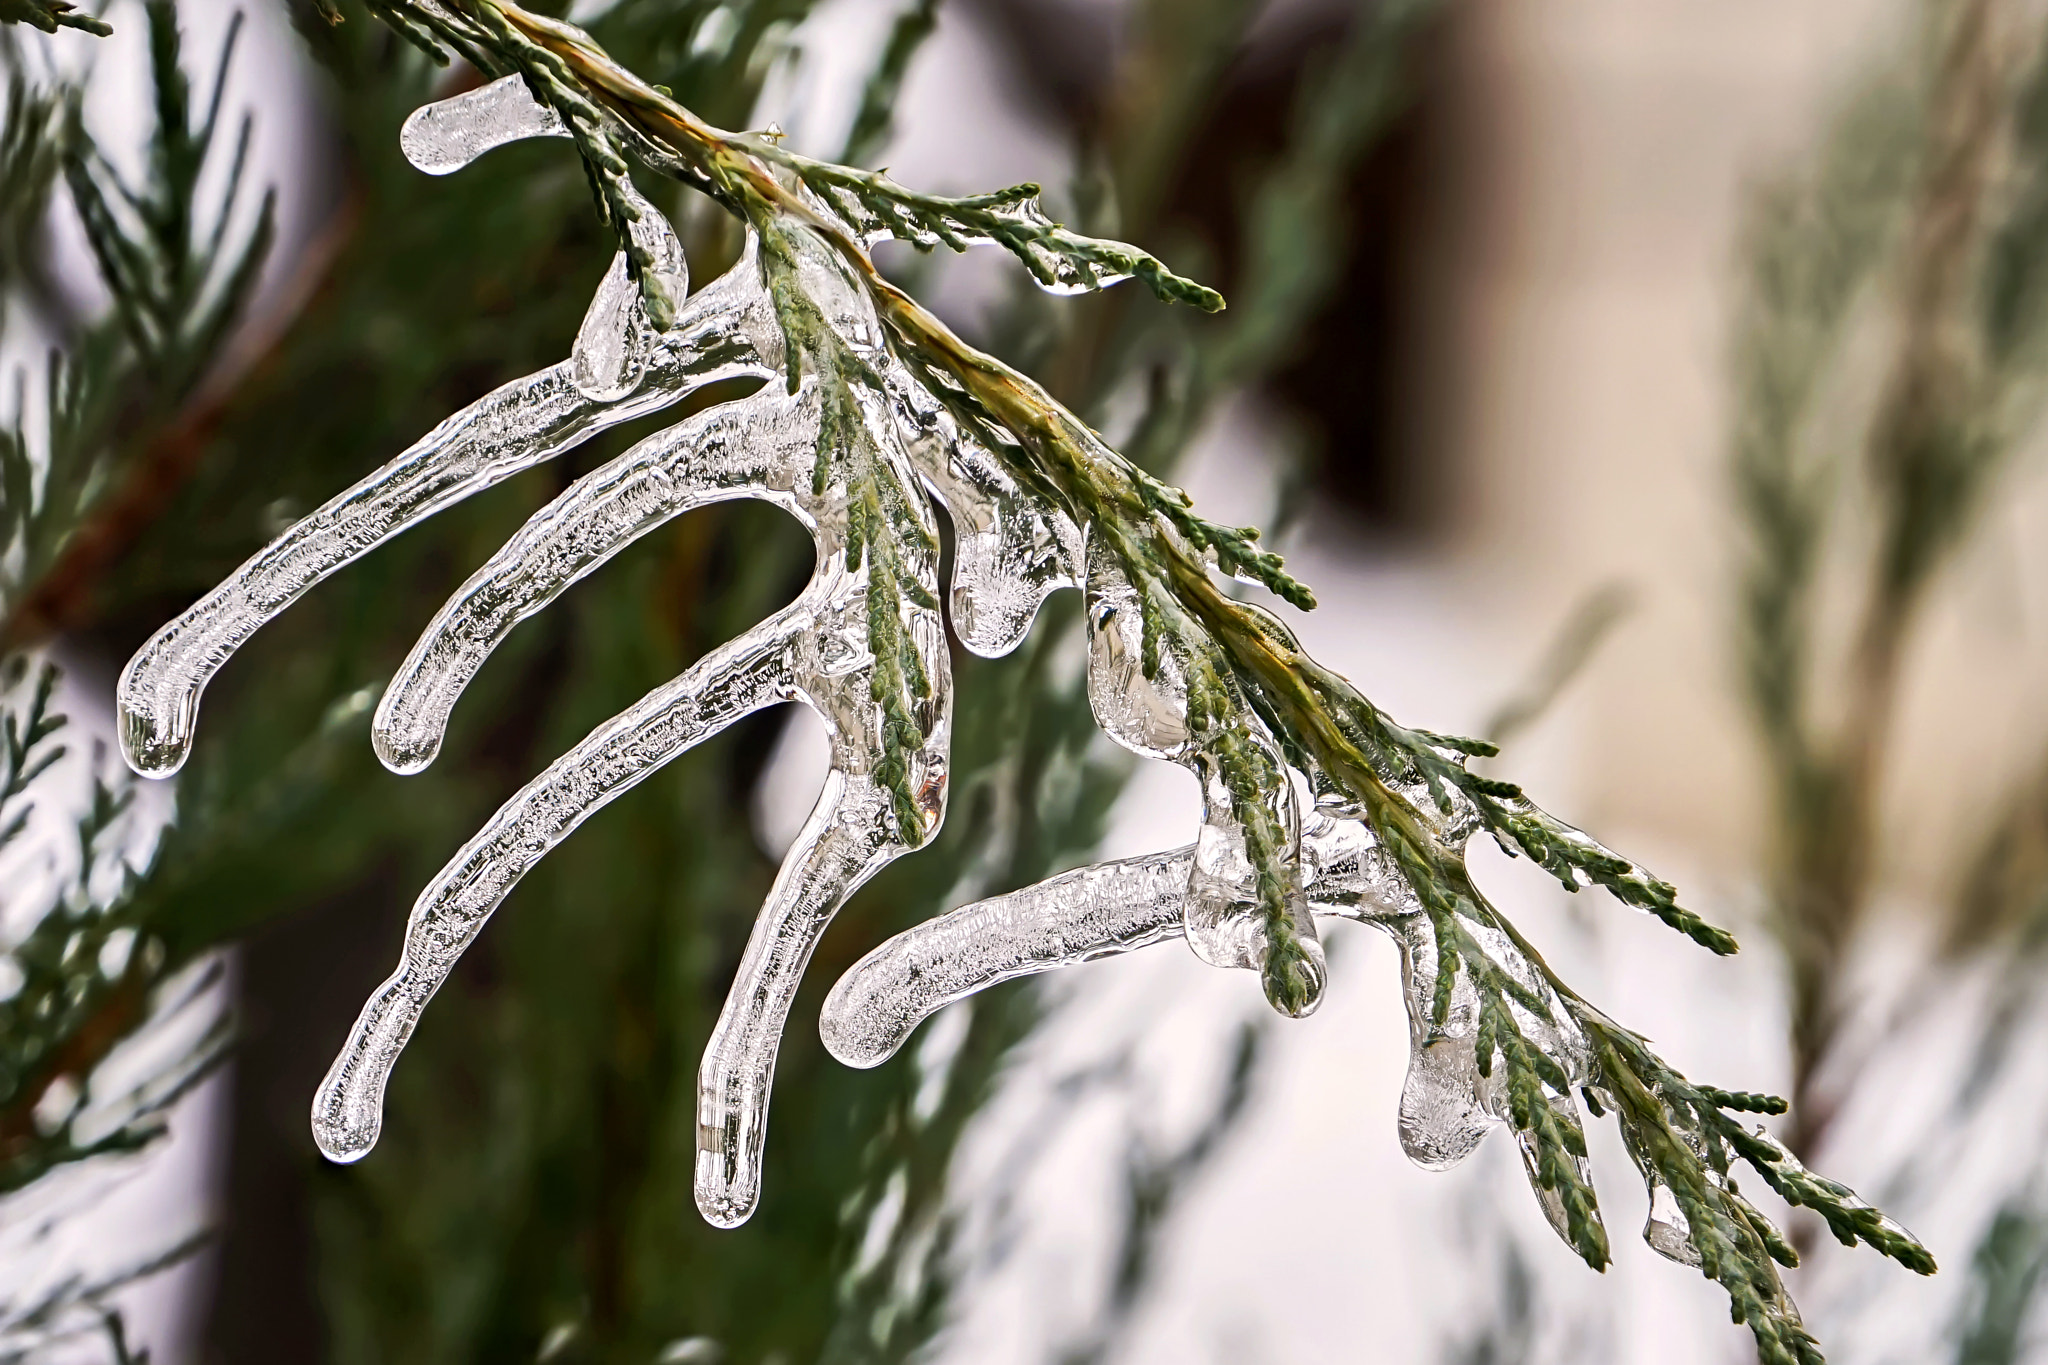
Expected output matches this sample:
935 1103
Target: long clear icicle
747 448
724 332
741 677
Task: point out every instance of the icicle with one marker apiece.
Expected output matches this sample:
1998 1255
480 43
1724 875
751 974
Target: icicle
748 448
816 651
728 330
1079 916
1447 1106
443 137
760 668
1139 694
1075 917
1010 551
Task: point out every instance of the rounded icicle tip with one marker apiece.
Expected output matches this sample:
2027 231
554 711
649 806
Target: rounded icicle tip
867 1015
1295 978
402 744
343 1138
156 745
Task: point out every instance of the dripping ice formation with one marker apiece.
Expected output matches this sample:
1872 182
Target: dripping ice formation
1447 1105
1012 550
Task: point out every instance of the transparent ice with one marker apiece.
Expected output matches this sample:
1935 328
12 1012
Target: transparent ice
1013 548
1447 1107
1147 713
443 137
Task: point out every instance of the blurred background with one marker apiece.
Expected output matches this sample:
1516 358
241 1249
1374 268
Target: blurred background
1646 385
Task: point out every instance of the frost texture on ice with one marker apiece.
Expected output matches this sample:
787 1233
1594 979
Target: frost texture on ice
1013 548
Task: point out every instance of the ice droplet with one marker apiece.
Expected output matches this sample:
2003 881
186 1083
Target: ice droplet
1147 715
1667 1229
612 345
443 137
1011 551
1445 1109
755 670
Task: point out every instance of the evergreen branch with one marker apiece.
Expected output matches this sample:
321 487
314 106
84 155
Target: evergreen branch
1242 667
1541 1111
84 970
875 208
123 427
51 15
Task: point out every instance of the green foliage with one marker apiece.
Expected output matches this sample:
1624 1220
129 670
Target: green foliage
51 15
875 207
874 121
2005 1275
1920 212
177 287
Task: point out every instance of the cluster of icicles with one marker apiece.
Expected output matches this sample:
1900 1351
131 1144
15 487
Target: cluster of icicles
1012 552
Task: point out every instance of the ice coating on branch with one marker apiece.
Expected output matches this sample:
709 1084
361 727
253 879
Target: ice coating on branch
816 651
443 137
1226 905
724 332
847 445
1055 272
1138 691
1447 1106
1011 551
